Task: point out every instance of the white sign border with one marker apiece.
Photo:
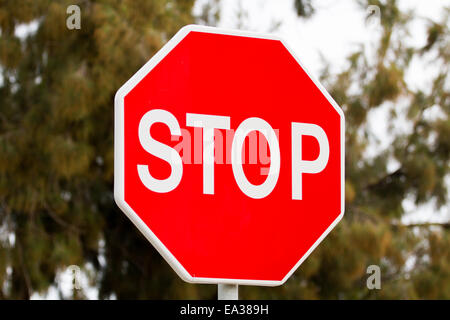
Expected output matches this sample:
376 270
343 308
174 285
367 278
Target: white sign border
119 170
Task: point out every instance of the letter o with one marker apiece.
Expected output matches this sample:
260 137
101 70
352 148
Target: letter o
264 189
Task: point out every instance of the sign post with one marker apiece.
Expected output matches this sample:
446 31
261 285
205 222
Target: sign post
229 157
227 292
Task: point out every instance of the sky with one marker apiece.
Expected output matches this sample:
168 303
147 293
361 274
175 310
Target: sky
336 29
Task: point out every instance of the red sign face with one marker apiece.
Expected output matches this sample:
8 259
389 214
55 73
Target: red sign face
229 157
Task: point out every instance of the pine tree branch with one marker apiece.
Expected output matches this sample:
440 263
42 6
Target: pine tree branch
25 273
384 179
60 221
445 225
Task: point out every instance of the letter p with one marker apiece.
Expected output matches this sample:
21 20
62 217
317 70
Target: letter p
300 166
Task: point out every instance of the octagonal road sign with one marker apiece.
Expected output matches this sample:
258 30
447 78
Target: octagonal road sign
229 156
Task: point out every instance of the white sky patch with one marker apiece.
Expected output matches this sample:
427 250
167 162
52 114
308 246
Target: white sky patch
433 113
65 281
425 213
24 30
65 285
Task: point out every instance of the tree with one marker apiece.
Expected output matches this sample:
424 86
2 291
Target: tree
56 157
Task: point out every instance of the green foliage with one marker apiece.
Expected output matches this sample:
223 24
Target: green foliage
304 8
56 157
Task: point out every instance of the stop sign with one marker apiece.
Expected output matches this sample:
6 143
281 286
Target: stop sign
229 157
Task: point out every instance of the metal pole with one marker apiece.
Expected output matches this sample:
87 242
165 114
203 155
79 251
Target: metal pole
227 291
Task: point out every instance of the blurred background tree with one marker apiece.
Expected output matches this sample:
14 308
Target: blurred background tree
56 157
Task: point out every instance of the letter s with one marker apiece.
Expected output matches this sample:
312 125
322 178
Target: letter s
160 150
